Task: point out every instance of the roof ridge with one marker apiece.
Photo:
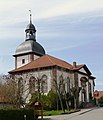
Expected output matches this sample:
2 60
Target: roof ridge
50 59
63 61
58 59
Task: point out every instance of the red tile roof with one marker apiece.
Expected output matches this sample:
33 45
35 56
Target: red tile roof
44 61
98 94
47 61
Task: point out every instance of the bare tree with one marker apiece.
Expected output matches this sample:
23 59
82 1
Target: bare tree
17 89
38 84
13 89
58 86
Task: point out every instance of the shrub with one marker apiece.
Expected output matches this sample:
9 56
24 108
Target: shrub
16 114
100 101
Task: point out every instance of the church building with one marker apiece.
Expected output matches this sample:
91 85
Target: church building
40 72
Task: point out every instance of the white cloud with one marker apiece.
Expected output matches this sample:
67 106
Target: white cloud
17 10
74 7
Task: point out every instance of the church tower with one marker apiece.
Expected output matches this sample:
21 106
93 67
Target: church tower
30 49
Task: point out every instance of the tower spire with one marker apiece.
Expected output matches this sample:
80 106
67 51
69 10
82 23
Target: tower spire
30 30
30 16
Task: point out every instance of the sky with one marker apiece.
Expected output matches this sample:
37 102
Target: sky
71 30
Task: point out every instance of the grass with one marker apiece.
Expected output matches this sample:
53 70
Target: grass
59 112
52 112
45 119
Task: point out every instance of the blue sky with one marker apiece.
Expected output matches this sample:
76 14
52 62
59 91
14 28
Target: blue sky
71 30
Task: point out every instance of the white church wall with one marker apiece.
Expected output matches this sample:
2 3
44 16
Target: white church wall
72 82
44 72
36 57
26 58
82 70
92 88
39 74
79 83
26 96
20 58
49 74
87 90
65 76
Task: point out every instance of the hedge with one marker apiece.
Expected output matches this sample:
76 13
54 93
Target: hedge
17 114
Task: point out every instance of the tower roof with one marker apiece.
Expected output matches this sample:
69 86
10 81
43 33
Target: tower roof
30 46
30 26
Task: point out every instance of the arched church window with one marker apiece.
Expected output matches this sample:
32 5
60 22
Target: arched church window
90 88
61 84
68 84
31 33
20 85
27 35
32 85
83 81
44 85
61 79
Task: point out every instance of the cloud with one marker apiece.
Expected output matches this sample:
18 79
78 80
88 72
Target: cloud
74 7
6 63
17 10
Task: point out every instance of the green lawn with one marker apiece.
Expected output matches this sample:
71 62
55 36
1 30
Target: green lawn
52 112
45 119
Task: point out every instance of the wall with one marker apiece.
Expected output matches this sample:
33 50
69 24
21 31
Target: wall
49 73
27 60
92 84
66 75
87 85
26 77
80 94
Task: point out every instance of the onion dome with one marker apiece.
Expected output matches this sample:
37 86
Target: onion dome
30 46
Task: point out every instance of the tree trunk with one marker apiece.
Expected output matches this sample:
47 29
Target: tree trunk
57 104
66 101
75 103
61 103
